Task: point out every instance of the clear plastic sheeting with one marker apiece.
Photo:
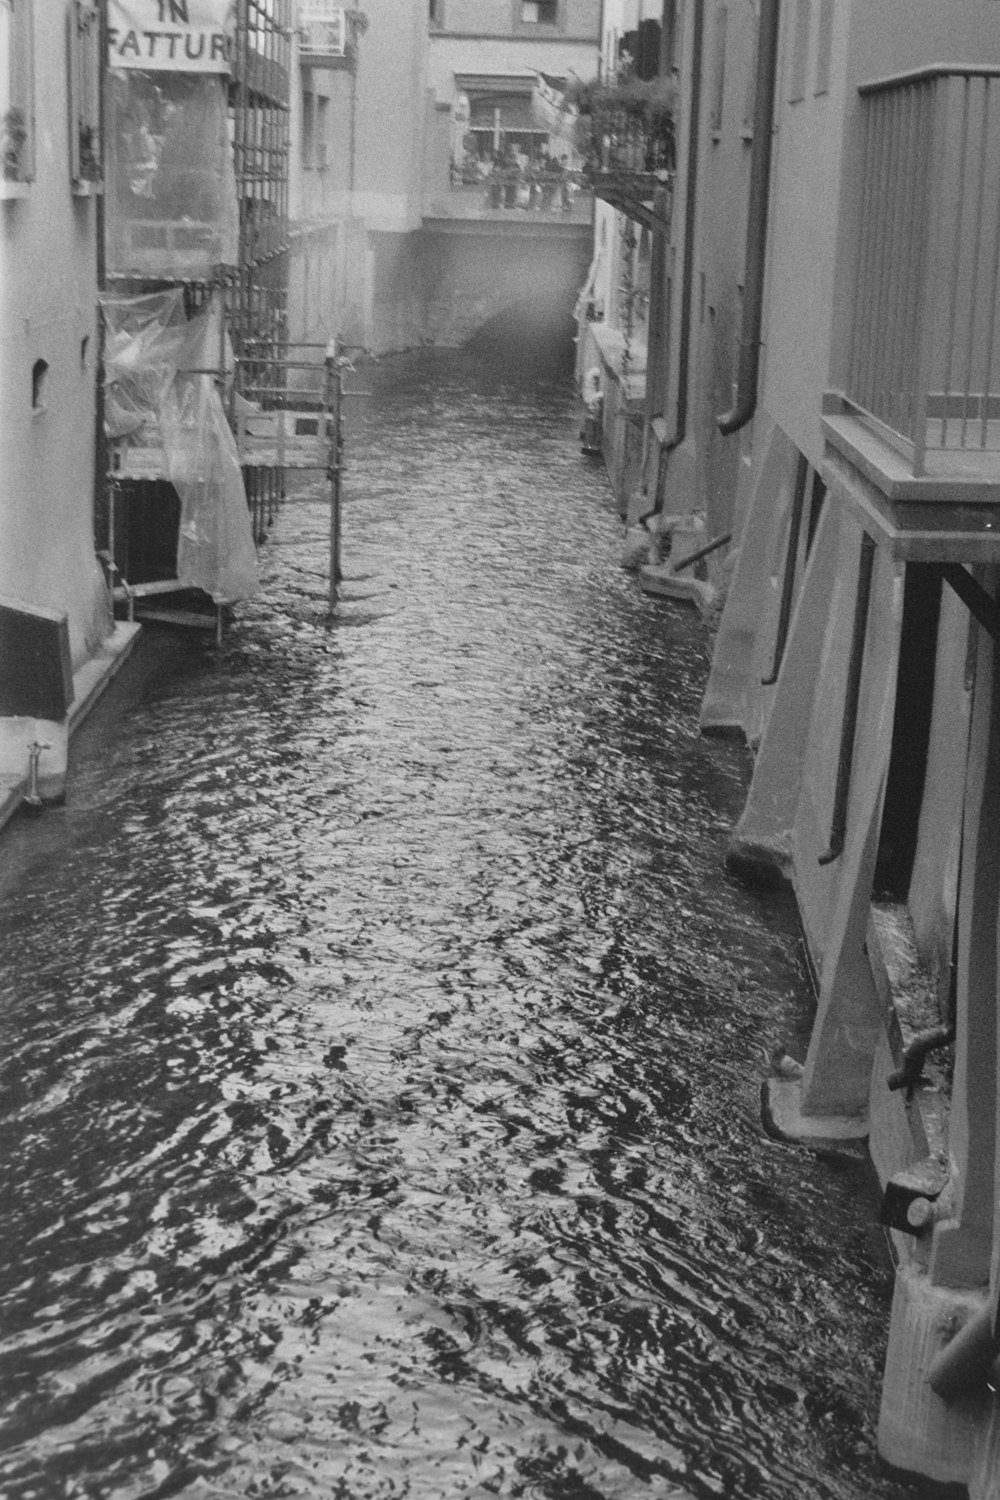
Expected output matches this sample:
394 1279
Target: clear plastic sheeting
146 343
170 191
215 547
158 397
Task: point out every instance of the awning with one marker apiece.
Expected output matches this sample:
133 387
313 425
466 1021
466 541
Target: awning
517 115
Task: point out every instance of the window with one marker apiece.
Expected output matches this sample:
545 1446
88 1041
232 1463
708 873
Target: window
308 129
17 91
39 385
800 52
322 160
83 41
540 12
824 46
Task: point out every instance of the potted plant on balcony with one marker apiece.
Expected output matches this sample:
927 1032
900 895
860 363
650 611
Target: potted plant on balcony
626 125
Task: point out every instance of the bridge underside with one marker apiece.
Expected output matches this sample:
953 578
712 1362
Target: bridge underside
452 278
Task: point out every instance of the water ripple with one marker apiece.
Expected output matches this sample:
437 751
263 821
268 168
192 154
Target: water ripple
383 1037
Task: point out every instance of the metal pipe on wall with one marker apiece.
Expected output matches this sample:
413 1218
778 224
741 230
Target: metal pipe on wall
760 183
690 226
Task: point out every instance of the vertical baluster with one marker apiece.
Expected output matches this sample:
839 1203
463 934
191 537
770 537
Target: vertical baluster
878 263
886 207
901 195
878 245
994 279
905 310
931 272
977 238
861 333
955 262
920 160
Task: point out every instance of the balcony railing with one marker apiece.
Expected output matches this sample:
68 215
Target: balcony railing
925 350
512 194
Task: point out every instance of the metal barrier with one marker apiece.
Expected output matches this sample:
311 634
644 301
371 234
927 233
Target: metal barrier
925 351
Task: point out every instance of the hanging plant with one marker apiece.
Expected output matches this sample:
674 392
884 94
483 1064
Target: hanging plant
627 292
627 125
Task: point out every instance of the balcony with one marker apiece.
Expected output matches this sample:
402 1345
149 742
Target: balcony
920 412
627 134
512 197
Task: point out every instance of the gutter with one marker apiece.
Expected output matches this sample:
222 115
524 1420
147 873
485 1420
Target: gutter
754 261
690 224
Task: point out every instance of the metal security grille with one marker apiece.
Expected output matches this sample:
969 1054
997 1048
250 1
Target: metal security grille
259 115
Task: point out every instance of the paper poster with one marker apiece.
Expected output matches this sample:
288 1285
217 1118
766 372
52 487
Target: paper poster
175 36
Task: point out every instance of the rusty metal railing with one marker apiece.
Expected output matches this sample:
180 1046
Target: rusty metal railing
925 348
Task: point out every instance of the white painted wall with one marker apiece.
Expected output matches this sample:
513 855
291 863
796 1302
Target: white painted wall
48 303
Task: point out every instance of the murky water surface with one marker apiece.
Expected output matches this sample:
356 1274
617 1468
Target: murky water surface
383 1036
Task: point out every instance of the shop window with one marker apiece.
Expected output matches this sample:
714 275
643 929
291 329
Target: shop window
83 43
17 90
539 12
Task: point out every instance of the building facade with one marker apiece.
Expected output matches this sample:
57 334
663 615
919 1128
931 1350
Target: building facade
825 391
360 116
58 641
385 125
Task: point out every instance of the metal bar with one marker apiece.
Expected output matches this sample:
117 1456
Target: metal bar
791 560
977 601
994 281
956 262
976 247
883 321
870 388
923 109
904 189
861 335
929 279
870 381
333 381
710 547
911 175
845 760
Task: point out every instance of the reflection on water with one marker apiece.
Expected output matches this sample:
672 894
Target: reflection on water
383 1036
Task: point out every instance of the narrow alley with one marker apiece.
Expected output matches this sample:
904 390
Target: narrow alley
384 1036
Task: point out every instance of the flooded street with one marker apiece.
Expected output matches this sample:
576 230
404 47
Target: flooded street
383 1035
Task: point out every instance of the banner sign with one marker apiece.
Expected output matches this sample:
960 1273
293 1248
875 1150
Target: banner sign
175 36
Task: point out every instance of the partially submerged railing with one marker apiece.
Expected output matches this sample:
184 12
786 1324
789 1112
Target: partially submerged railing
925 351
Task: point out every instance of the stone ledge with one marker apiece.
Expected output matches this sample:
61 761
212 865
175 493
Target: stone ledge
783 1118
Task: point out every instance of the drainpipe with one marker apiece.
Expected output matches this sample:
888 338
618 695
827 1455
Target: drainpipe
690 224
760 181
